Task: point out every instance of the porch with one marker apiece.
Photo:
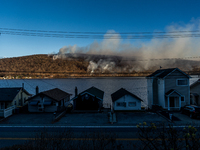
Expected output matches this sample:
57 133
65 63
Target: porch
173 100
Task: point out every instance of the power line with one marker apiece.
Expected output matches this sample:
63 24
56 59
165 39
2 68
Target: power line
53 31
100 35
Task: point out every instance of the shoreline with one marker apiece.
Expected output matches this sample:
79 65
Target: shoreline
66 76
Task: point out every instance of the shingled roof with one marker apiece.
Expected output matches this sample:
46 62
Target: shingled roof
55 94
122 92
172 91
92 91
8 94
162 73
95 92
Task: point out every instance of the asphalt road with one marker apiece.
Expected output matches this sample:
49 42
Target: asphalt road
11 135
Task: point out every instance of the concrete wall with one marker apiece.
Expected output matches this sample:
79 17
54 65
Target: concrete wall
126 99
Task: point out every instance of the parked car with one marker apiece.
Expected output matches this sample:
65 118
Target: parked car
193 111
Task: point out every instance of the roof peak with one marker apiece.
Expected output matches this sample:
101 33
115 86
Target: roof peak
162 73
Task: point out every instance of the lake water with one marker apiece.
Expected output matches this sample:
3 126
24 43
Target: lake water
136 85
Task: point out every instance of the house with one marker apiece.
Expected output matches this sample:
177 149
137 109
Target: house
10 98
48 101
168 88
90 99
195 93
125 100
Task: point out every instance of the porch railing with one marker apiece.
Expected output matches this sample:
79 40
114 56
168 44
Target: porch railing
7 112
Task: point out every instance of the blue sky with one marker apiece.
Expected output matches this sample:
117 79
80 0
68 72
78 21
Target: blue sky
86 16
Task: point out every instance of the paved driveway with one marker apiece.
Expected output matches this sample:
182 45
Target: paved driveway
185 120
84 119
101 119
29 119
134 118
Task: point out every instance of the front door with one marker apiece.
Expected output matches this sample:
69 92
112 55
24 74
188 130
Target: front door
171 102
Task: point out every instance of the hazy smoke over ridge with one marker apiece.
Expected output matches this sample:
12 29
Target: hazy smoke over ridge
139 58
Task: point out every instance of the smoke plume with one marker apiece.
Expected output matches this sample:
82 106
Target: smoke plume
115 54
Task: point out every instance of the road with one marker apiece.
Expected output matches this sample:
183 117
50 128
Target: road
10 135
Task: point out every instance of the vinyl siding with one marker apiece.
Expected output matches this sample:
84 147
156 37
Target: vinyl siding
171 83
150 92
126 99
155 91
161 91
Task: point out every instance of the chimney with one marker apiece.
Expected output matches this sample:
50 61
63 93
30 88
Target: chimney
76 91
22 86
37 90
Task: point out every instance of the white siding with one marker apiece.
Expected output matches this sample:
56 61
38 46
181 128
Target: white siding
171 83
150 92
126 99
161 92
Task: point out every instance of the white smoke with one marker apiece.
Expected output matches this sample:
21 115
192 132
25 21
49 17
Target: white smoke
144 52
92 67
102 66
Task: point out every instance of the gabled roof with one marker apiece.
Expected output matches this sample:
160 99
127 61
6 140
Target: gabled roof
55 94
8 94
171 92
162 73
93 91
120 93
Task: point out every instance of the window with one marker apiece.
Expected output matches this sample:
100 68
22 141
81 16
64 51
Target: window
182 82
182 99
122 104
132 104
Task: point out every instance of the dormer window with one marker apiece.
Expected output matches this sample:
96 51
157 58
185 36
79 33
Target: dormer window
182 82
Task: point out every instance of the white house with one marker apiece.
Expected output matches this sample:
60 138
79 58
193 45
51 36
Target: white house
124 100
168 88
11 98
48 101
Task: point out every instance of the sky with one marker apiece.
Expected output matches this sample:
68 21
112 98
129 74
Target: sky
117 16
